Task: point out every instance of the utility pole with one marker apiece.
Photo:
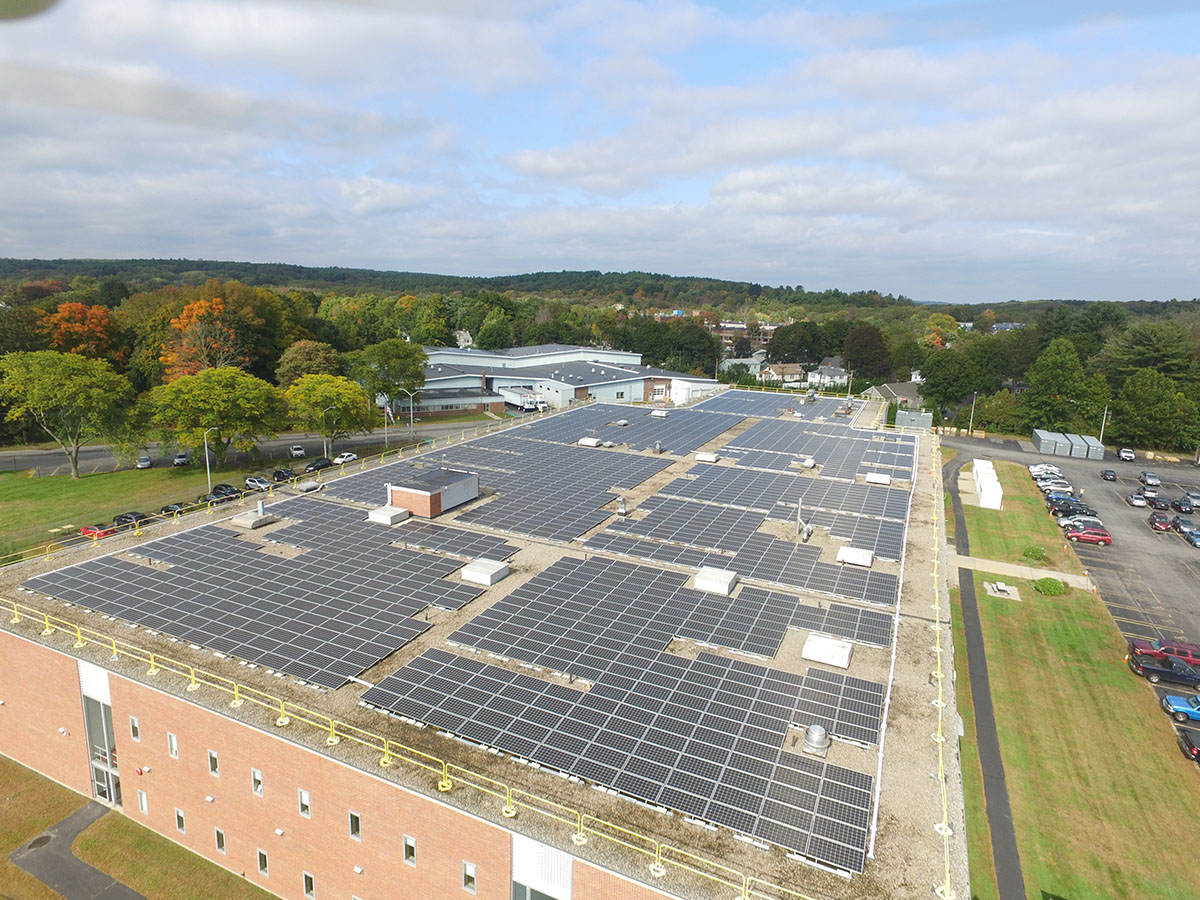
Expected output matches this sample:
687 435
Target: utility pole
207 468
1103 422
971 425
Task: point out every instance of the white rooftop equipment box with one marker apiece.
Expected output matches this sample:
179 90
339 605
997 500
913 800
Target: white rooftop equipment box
827 650
855 556
707 457
715 581
485 571
878 478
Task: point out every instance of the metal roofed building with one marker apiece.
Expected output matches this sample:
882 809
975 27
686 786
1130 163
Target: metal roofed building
601 665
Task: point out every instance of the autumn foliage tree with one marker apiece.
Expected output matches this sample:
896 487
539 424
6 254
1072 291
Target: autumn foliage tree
79 328
201 339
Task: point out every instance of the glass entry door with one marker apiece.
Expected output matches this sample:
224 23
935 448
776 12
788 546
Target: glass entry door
102 751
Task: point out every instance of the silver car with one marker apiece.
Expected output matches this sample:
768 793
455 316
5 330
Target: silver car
258 483
1135 500
1080 522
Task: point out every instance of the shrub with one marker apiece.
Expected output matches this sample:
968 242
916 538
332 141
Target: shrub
1051 587
1037 554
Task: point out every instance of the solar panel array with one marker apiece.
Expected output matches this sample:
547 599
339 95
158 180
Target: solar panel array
543 489
679 432
324 616
457 541
697 524
769 404
701 736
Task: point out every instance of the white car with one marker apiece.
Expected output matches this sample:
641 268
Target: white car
257 483
343 458
1125 454
1135 500
1044 469
144 462
296 452
1057 487
1080 522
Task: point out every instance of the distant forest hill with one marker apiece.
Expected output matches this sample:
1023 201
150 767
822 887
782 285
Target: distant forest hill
642 288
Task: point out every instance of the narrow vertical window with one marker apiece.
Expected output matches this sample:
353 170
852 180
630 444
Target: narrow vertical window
262 863
220 835
214 764
310 886
468 871
135 728
172 745
305 807
180 824
410 850
143 803
355 826
256 782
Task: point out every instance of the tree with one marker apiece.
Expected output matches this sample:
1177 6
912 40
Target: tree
947 377
496 331
433 327
389 369
201 340
741 348
72 398
331 405
233 406
939 329
1163 346
799 342
865 353
21 329
78 328
307 358
984 321
1058 395
111 291
1150 411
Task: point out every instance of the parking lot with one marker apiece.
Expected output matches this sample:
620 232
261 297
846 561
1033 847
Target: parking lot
1150 581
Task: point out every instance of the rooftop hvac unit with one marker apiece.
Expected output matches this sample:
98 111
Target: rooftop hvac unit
658 413
589 442
816 741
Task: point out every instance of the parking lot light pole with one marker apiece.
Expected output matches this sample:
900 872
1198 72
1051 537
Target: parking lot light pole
207 468
971 424
325 428
411 395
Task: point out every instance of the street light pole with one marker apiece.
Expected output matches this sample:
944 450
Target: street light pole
1103 422
325 428
411 396
207 468
971 424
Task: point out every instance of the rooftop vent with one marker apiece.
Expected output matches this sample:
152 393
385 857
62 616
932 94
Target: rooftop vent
816 741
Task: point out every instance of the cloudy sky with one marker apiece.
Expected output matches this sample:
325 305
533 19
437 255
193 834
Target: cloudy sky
957 151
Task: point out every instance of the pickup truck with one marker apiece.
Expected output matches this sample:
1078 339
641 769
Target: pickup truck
1156 670
1182 709
1184 652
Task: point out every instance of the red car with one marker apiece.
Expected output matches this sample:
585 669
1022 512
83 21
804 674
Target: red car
1089 536
98 531
1181 650
1159 521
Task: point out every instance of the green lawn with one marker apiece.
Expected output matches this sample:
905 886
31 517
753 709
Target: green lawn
155 867
29 804
979 835
36 511
1023 522
1089 757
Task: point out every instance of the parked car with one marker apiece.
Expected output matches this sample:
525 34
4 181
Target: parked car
1150 479
1108 474
1182 505
296 451
321 462
98 531
1036 469
225 490
1189 742
1057 487
1182 524
1098 536
214 498
1192 537
1135 499
172 508
1181 650
1170 670
1182 709
342 458
1159 522
1072 508
144 462
1157 503
1080 521
1125 454
282 474
129 518
1194 497
181 459
257 483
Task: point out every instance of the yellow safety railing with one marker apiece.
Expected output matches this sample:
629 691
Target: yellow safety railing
583 826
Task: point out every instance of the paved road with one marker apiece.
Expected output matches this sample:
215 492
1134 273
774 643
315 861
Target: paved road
97 458
49 859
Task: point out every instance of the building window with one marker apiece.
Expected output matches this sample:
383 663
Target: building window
355 826
214 764
180 825
620 395
256 782
410 850
172 745
469 877
135 729
143 803
310 886
262 863
220 840
305 808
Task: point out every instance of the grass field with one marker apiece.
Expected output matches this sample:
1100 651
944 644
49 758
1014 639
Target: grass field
979 835
29 804
156 867
1023 522
36 511
1089 757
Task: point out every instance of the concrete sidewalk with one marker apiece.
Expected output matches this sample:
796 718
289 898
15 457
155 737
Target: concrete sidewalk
49 859
1016 570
